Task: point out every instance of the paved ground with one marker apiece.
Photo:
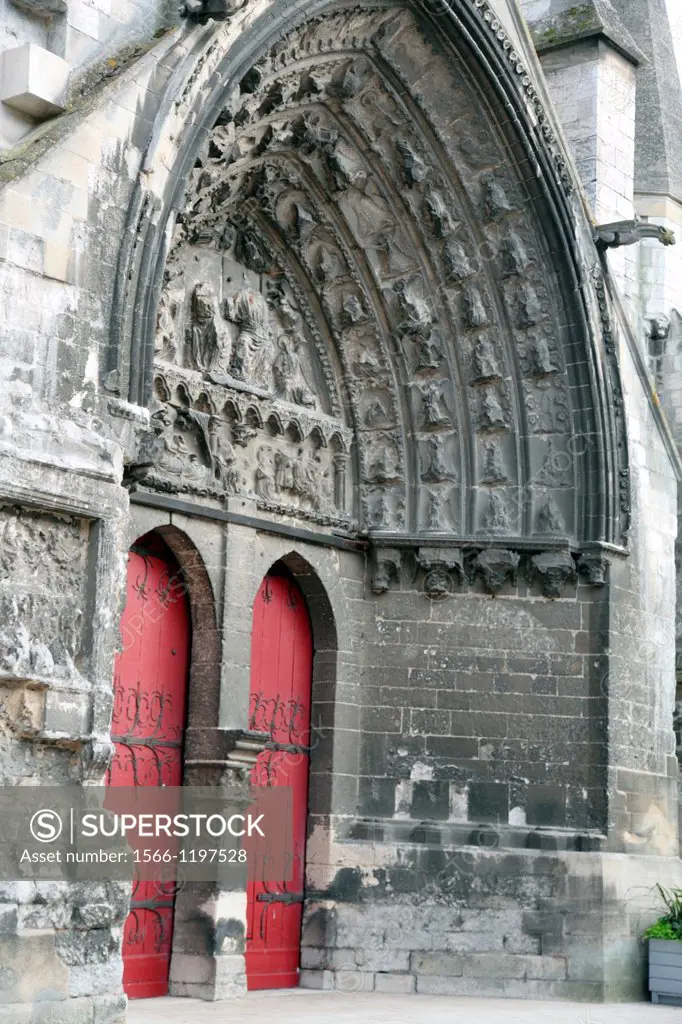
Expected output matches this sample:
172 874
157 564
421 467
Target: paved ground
301 1007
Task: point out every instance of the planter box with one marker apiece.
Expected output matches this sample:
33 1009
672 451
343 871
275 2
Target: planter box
665 971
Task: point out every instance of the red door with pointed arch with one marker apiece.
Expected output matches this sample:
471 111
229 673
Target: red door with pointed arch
148 722
281 681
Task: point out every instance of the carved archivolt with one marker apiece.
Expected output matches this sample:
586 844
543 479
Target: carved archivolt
362 321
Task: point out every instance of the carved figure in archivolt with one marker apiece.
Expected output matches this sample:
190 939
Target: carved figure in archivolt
485 364
250 250
537 356
435 516
496 203
366 364
434 413
530 308
252 353
494 469
383 468
376 414
413 167
556 468
170 307
416 314
515 259
475 314
492 411
549 519
496 519
381 515
429 349
457 264
434 465
437 214
352 311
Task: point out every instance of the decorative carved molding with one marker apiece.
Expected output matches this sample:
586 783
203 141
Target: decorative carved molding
386 563
496 567
438 565
554 569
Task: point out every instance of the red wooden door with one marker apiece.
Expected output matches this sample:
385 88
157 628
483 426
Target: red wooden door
281 678
150 697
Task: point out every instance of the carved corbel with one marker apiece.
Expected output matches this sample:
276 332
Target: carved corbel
592 567
386 564
496 567
554 569
439 565
219 10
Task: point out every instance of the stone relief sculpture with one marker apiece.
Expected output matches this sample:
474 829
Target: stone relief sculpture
515 258
290 338
530 308
435 518
434 466
289 379
252 353
225 462
455 261
413 167
492 413
541 361
166 341
549 519
475 314
494 469
438 214
42 596
203 335
485 365
496 204
496 519
265 475
434 413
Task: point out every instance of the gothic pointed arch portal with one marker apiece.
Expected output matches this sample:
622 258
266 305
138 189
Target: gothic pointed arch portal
371 314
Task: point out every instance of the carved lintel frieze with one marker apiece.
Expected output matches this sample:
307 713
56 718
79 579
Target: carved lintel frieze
386 564
554 569
496 567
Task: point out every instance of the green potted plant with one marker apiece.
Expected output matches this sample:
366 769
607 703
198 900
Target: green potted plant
665 950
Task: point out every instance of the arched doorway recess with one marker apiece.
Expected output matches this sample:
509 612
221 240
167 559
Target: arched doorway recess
280 705
148 726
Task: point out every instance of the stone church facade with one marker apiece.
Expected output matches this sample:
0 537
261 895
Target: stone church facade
362 290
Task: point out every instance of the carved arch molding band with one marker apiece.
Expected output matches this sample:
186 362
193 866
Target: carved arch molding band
360 299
